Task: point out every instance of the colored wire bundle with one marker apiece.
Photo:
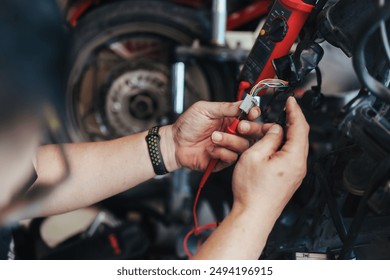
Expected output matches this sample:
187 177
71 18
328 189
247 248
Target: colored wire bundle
268 83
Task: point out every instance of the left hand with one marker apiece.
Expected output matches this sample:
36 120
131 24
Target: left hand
198 135
268 174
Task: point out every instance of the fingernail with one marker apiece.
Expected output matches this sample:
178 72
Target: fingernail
275 129
216 136
244 126
254 114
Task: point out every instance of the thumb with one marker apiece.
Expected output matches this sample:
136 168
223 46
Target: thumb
222 109
270 143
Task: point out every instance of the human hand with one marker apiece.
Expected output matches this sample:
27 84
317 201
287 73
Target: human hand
268 173
198 135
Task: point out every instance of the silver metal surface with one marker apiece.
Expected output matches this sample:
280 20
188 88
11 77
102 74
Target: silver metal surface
219 22
178 85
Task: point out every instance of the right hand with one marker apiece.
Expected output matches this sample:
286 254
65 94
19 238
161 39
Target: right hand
269 173
198 135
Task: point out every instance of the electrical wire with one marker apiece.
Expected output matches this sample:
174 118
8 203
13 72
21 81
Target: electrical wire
378 178
384 36
310 30
331 201
319 78
268 83
385 39
359 60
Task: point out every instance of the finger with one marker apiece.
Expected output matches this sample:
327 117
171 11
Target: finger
252 129
232 142
216 110
270 143
297 129
254 113
226 156
221 165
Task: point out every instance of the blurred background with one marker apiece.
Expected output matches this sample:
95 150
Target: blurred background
131 64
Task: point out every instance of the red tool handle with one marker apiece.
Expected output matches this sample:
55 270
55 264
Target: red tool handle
242 87
231 129
280 30
299 13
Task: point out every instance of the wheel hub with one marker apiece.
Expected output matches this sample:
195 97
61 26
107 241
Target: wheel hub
137 100
142 106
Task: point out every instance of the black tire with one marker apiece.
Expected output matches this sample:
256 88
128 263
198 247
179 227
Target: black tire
157 22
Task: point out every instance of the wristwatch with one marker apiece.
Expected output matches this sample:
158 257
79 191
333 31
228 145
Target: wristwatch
153 142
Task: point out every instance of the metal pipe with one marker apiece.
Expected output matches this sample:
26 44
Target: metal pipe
219 22
178 84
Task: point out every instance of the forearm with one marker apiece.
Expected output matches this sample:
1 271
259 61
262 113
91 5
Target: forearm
241 235
97 170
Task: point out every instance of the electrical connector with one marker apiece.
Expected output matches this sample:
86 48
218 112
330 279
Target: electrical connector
248 103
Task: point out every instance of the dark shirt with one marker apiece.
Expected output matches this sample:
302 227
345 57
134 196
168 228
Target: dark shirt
5 242
6 231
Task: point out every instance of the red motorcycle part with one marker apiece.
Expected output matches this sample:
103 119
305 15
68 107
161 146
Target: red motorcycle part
252 12
78 10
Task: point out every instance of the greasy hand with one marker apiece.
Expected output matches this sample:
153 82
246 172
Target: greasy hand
269 172
198 135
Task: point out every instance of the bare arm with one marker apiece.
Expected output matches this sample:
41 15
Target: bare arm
97 170
102 169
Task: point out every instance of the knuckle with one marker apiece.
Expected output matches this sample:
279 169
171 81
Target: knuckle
217 152
301 169
232 159
250 156
200 104
197 105
231 107
225 106
271 138
227 156
247 144
307 126
304 171
245 156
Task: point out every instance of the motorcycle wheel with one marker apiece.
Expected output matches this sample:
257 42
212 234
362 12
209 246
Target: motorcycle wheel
122 53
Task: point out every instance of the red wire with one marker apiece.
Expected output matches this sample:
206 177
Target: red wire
203 181
210 167
197 230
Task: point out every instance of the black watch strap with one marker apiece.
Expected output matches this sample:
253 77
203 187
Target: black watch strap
153 141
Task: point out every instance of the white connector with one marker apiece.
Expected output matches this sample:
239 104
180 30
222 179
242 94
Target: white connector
248 103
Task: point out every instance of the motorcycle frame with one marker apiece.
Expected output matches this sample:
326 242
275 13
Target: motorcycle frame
237 19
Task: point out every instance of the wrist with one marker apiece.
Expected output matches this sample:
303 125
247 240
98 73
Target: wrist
261 213
168 148
255 225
